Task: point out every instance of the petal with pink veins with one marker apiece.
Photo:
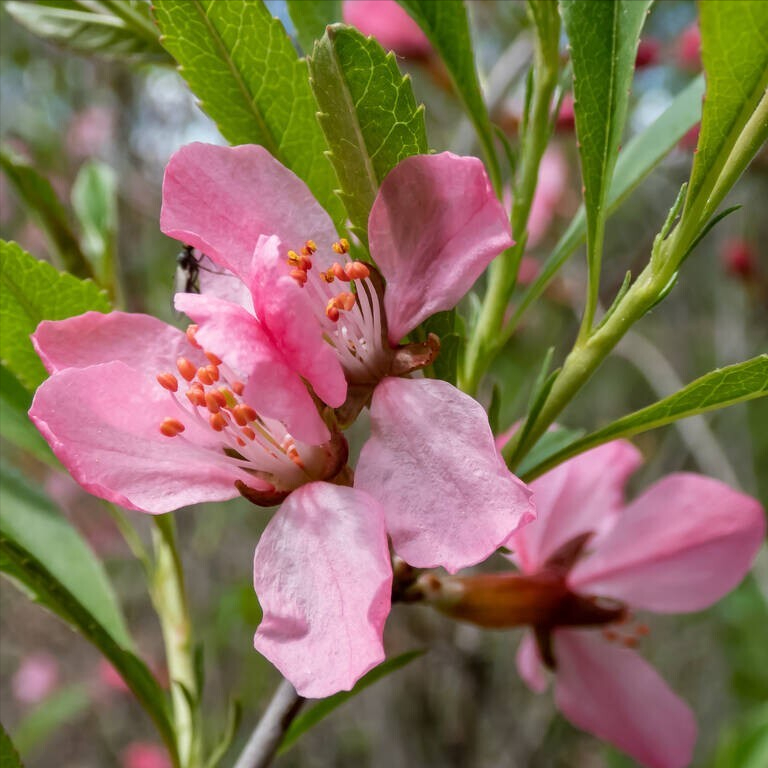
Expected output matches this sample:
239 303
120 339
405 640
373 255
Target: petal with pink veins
580 495
140 341
680 546
431 461
529 665
613 693
286 310
220 199
272 387
323 576
108 437
434 227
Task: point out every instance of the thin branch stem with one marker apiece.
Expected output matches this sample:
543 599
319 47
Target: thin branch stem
266 737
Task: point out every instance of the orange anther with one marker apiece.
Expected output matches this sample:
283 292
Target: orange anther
204 376
213 371
356 270
168 381
299 275
331 312
610 635
186 368
293 259
249 413
212 402
310 247
191 331
238 387
327 276
196 396
339 272
217 421
215 360
345 301
243 414
171 427
249 433
642 630
629 642
342 246
240 441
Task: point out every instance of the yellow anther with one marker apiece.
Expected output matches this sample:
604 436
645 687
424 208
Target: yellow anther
342 246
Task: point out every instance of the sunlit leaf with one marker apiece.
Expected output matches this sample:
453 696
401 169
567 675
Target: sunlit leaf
31 291
9 757
445 24
717 389
110 28
311 17
368 114
241 64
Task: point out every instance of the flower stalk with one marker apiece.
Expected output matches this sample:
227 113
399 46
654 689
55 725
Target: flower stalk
170 601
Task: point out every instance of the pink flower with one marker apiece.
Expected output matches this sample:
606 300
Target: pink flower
587 562
389 24
688 48
553 178
36 678
270 319
144 754
565 122
142 416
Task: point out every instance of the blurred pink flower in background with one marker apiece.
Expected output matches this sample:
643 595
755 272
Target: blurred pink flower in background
688 48
144 754
389 24
90 131
690 139
739 258
565 122
110 677
36 677
553 178
647 53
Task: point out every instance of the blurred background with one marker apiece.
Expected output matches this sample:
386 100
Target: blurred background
86 123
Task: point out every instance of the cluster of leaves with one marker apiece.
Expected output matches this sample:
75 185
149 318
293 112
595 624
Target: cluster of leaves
341 118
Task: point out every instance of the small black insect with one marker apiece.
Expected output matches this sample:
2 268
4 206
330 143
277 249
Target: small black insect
187 278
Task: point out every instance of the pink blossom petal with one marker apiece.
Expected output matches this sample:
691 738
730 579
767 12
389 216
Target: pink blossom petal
431 461
613 693
434 227
141 754
582 494
286 309
139 341
242 343
103 424
220 199
389 24
529 665
323 577
223 284
680 546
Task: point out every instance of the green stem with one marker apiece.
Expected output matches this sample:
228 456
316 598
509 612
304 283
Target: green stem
170 600
484 343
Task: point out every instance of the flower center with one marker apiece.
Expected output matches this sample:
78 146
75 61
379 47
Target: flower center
352 319
213 399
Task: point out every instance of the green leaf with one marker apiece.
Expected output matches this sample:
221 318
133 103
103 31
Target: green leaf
368 114
241 64
234 714
636 160
312 716
113 29
734 51
36 193
449 327
31 520
745 743
9 757
31 291
311 17
58 709
445 24
15 426
94 200
717 389
43 554
549 444
603 37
